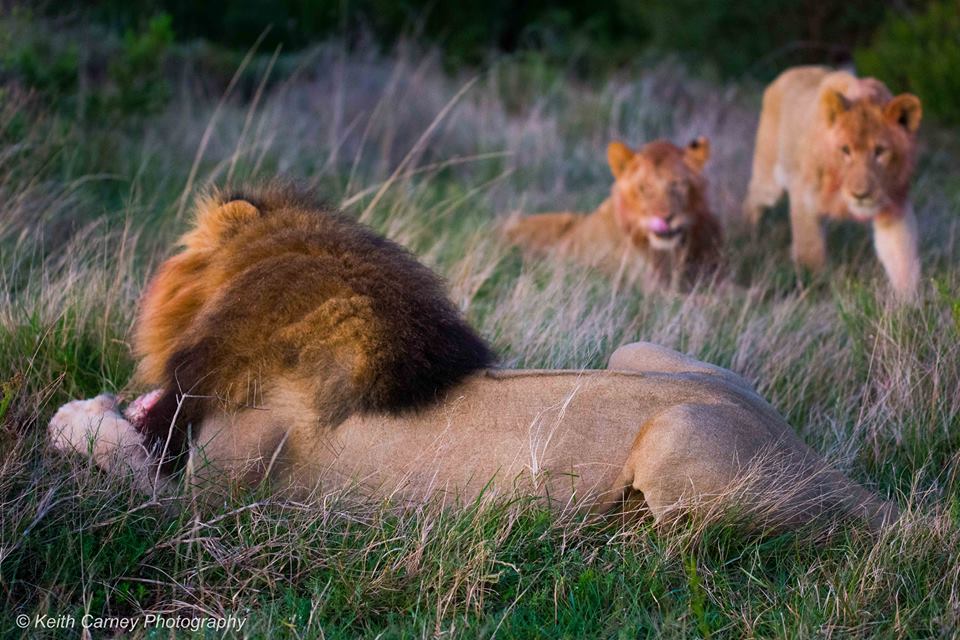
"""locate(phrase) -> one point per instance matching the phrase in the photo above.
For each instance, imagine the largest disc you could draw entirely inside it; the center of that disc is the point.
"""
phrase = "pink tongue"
(659, 225)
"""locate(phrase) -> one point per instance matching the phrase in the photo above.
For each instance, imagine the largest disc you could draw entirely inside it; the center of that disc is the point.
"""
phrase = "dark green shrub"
(42, 63)
(84, 72)
(920, 53)
(757, 37)
(137, 72)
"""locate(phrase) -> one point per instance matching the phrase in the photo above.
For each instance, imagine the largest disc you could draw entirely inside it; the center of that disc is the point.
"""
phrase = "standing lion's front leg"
(808, 240)
(895, 241)
(96, 428)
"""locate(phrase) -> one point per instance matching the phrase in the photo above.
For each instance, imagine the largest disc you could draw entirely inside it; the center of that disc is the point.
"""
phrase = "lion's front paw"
(80, 423)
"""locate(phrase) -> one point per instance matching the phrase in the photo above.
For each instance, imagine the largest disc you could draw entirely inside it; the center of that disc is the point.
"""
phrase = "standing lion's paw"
(80, 424)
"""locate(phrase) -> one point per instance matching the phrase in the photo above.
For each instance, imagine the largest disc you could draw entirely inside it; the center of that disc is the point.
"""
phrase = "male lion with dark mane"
(293, 346)
(656, 218)
(844, 148)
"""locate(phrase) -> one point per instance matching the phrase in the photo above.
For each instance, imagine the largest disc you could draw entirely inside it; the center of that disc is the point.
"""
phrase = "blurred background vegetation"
(910, 44)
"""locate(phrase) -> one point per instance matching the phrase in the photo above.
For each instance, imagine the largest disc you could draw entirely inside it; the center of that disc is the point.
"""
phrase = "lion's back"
(790, 100)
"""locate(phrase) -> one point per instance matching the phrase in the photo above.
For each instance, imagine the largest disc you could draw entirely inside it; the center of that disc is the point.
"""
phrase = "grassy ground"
(432, 161)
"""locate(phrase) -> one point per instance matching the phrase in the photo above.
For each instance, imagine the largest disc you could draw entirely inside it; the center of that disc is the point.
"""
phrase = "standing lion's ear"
(833, 104)
(904, 110)
(697, 153)
(618, 155)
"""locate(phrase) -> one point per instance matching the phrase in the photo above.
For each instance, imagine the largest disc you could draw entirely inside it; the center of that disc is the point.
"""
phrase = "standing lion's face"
(658, 190)
(871, 148)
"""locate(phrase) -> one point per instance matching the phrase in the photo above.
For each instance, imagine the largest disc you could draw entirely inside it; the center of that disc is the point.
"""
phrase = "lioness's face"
(657, 189)
(872, 147)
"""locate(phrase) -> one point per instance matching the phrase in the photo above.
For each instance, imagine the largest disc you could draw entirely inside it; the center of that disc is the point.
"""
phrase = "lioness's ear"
(833, 104)
(618, 155)
(904, 110)
(697, 153)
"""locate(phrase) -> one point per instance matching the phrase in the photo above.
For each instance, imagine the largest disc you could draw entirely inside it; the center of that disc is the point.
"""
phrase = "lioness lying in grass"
(656, 224)
(352, 375)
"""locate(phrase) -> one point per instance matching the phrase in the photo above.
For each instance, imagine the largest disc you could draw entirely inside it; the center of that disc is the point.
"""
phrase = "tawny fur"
(843, 148)
(675, 432)
(656, 219)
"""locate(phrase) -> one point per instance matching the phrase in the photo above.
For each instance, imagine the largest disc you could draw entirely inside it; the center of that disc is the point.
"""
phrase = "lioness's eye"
(845, 149)
(880, 150)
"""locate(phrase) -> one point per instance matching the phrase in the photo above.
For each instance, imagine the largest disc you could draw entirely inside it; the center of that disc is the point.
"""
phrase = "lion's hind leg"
(647, 357)
(96, 428)
(539, 232)
(726, 463)
(674, 460)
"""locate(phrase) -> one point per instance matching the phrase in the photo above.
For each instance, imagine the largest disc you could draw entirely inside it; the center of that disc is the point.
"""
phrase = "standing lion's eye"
(879, 151)
(845, 149)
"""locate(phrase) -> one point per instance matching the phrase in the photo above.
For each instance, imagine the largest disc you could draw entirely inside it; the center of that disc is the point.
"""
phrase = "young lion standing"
(841, 147)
